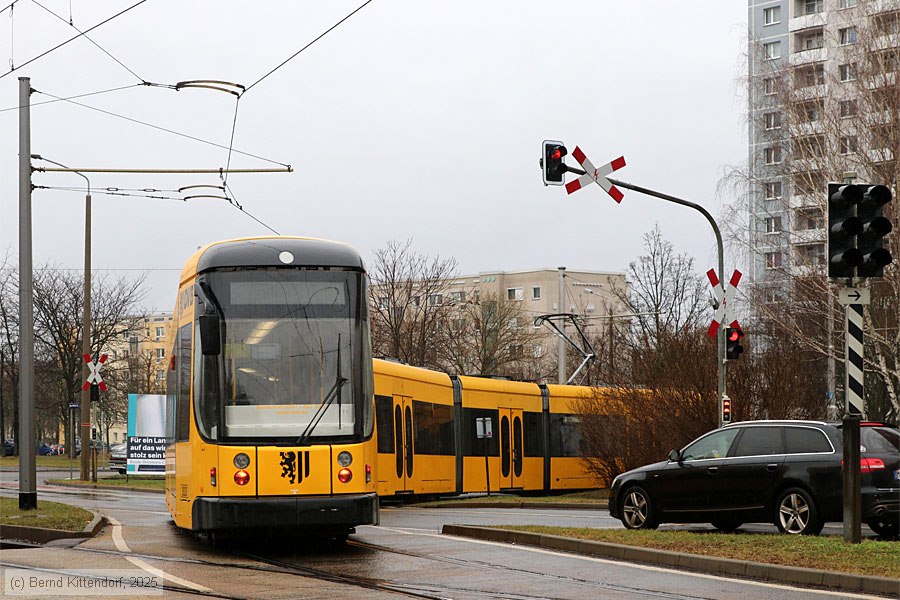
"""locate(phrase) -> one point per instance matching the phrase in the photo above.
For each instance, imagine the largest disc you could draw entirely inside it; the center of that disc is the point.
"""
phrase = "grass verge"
(133, 481)
(50, 515)
(829, 553)
(55, 461)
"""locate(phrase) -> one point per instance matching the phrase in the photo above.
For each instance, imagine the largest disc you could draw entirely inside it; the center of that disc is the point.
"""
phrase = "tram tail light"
(212, 477)
(345, 475)
(368, 473)
(242, 477)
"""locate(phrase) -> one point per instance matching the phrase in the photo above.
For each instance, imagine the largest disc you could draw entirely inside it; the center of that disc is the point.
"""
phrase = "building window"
(847, 72)
(458, 296)
(848, 145)
(514, 294)
(773, 155)
(515, 351)
(811, 40)
(847, 3)
(807, 219)
(514, 323)
(772, 50)
(772, 15)
(812, 255)
(160, 353)
(811, 7)
(773, 260)
(160, 375)
(772, 190)
(160, 332)
(773, 225)
(537, 351)
(769, 86)
(772, 120)
(847, 35)
(809, 112)
(848, 108)
(435, 299)
(809, 75)
(536, 292)
(381, 302)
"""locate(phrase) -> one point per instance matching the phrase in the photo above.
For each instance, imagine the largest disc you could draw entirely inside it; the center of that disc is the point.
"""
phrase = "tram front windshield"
(295, 356)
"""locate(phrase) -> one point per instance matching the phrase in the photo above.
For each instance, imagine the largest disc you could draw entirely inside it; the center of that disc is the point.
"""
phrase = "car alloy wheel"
(637, 510)
(797, 513)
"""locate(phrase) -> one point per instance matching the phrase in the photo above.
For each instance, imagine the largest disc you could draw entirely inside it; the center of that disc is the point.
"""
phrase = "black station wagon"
(782, 472)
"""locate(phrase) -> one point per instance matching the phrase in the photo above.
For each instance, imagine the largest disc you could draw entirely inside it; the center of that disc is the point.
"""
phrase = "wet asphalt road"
(405, 556)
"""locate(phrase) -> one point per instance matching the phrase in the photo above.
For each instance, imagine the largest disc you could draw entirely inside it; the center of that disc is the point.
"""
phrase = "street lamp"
(85, 327)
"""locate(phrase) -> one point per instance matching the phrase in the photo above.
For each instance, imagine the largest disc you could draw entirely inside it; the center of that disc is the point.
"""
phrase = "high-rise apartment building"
(823, 104)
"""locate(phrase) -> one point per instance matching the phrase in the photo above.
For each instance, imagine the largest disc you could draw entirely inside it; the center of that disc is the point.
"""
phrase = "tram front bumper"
(285, 512)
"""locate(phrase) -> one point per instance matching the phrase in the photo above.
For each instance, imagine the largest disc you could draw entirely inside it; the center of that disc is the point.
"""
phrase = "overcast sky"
(413, 119)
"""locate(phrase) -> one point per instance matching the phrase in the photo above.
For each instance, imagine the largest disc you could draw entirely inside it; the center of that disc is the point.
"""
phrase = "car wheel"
(887, 530)
(725, 524)
(797, 513)
(637, 509)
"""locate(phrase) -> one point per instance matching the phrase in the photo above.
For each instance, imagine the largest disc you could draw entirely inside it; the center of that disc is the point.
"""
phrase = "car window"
(714, 445)
(759, 441)
(879, 439)
(804, 440)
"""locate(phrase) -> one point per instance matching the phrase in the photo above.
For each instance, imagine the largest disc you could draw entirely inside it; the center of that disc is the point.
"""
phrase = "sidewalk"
(798, 576)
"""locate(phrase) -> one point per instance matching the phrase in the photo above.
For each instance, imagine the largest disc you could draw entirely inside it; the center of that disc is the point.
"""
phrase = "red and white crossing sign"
(596, 175)
(724, 297)
(94, 376)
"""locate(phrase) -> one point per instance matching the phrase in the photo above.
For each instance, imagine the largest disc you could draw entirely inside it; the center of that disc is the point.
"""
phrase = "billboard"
(146, 434)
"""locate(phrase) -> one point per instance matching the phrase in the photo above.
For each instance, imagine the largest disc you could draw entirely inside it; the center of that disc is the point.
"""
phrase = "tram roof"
(266, 251)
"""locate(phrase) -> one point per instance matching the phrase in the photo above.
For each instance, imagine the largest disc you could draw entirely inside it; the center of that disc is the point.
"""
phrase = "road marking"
(119, 541)
(777, 586)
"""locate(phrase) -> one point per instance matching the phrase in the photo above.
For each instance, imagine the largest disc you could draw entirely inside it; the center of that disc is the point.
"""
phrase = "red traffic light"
(556, 154)
(733, 338)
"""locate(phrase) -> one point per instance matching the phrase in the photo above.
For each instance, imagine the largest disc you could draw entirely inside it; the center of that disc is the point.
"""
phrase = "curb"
(41, 535)
(884, 586)
(100, 486)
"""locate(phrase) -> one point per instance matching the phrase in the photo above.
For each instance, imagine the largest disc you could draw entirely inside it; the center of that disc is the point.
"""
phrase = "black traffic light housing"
(843, 227)
(726, 409)
(552, 162)
(870, 241)
(734, 336)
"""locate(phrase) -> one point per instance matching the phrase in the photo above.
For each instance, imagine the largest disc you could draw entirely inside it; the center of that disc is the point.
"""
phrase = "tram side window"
(433, 428)
(384, 407)
(171, 394)
(183, 398)
(206, 392)
(534, 433)
(565, 435)
(472, 446)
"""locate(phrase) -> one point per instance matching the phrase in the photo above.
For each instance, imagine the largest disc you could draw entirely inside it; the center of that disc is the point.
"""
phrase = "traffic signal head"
(552, 162)
(843, 227)
(870, 241)
(734, 336)
(726, 409)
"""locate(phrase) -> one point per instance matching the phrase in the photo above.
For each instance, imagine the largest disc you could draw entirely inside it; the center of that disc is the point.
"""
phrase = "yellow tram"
(273, 400)
(270, 418)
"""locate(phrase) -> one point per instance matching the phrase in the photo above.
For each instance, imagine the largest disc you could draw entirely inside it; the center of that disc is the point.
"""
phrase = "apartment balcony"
(810, 92)
(873, 7)
(800, 237)
(806, 270)
(799, 201)
(807, 128)
(807, 21)
(879, 155)
(804, 57)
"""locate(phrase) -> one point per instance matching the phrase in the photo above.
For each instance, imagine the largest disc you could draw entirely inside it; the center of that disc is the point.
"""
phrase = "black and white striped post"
(855, 397)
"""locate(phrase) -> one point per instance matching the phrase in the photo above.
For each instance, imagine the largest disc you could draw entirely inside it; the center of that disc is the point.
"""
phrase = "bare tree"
(818, 121)
(409, 301)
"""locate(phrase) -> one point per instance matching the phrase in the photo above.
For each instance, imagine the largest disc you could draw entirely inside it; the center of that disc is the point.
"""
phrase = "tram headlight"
(345, 475)
(345, 459)
(242, 477)
(241, 461)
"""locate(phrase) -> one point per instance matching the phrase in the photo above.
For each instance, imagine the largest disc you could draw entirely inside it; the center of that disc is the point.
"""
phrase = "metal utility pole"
(25, 437)
(561, 342)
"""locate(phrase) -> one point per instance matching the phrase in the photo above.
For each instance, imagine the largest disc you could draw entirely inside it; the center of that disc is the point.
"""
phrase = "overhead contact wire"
(58, 46)
(33, 104)
(241, 208)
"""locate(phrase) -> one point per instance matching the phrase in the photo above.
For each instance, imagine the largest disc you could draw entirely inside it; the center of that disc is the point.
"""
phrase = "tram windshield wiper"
(333, 393)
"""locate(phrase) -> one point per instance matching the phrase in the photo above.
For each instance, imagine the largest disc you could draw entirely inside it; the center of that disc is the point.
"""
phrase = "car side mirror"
(675, 456)
(209, 335)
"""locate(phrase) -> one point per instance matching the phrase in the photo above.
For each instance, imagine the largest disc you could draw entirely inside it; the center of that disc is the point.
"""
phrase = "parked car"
(782, 472)
(9, 447)
(44, 449)
(118, 458)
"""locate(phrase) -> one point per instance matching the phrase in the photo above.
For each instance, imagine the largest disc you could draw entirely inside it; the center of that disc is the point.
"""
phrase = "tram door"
(403, 442)
(511, 449)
